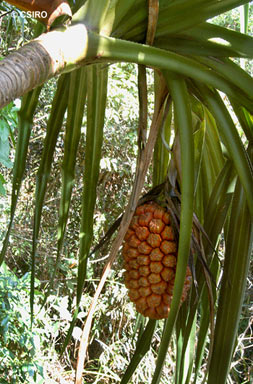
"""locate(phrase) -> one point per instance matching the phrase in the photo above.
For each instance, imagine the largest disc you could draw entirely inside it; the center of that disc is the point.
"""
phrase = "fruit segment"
(150, 260)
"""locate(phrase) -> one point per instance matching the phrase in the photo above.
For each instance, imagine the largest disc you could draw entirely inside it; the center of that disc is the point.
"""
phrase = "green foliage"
(8, 123)
(15, 28)
(231, 19)
(19, 344)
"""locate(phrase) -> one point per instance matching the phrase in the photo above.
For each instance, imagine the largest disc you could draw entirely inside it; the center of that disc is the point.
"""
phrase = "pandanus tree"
(204, 179)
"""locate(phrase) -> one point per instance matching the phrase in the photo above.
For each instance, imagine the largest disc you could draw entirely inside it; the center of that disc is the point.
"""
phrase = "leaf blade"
(29, 103)
(183, 117)
(97, 89)
(239, 244)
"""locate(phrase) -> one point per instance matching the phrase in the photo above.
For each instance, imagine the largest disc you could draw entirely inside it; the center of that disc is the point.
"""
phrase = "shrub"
(20, 345)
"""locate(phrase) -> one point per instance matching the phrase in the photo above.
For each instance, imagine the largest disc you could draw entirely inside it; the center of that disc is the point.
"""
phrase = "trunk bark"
(39, 60)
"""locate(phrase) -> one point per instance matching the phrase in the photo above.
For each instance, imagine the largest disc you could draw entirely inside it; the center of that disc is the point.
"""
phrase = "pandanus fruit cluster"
(150, 260)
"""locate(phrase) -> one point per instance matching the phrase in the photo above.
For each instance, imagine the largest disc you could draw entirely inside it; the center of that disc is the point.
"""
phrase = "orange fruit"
(150, 260)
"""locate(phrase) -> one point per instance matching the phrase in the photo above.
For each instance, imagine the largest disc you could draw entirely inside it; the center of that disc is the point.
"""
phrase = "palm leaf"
(216, 213)
(185, 351)
(54, 125)
(230, 71)
(244, 117)
(96, 102)
(142, 348)
(222, 38)
(238, 251)
(184, 125)
(206, 40)
(232, 141)
(143, 161)
(29, 103)
(174, 17)
(76, 101)
(96, 99)
(204, 322)
(161, 153)
(116, 49)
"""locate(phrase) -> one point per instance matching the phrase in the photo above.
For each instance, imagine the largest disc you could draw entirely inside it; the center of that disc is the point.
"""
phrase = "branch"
(61, 50)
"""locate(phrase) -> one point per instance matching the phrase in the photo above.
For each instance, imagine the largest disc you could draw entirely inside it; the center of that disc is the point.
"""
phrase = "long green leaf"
(205, 142)
(185, 46)
(217, 205)
(208, 160)
(237, 256)
(115, 49)
(92, 13)
(184, 124)
(96, 102)
(244, 117)
(176, 16)
(221, 37)
(199, 144)
(97, 91)
(54, 125)
(185, 346)
(199, 123)
(244, 18)
(212, 158)
(142, 348)
(205, 320)
(193, 13)
(202, 333)
(76, 101)
(96, 11)
(231, 71)
(161, 152)
(232, 141)
(180, 328)
(213, 143)
(215, 216)
(244, 22)
(190, 353)
(207, 40)
(29, 103)
(136, 15)
(117, 10)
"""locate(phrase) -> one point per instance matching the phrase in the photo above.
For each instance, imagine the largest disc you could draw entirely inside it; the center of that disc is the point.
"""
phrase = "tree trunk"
(39, 60)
